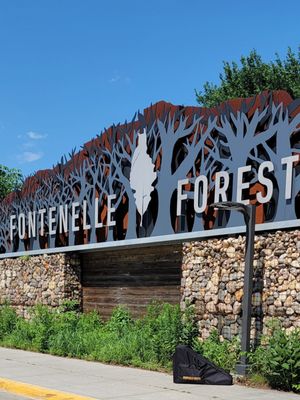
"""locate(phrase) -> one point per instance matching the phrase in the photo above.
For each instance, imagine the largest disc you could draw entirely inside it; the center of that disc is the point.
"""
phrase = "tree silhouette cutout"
(141, 162)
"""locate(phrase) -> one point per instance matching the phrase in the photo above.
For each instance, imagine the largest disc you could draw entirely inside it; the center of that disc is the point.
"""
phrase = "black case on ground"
(191, 367)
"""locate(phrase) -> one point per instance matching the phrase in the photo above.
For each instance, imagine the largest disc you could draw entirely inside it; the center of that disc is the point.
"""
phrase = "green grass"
(147, 342)
(258, 380)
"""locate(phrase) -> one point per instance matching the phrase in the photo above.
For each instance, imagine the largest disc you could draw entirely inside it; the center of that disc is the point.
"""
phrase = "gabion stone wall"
(212, 280)
(45, 279)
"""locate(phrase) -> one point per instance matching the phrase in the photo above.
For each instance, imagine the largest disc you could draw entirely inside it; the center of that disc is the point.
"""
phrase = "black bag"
(191, 367)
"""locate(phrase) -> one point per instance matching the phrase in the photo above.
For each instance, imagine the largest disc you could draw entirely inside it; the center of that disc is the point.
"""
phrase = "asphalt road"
(109, 382)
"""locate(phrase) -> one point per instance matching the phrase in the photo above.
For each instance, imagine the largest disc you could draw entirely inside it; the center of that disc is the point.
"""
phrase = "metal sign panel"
(153, 179)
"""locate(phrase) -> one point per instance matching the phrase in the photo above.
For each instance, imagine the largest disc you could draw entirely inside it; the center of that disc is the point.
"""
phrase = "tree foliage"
(252, 76)
(10, 179)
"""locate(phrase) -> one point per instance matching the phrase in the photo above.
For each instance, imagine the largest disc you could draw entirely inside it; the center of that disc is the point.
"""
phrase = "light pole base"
(242, 369)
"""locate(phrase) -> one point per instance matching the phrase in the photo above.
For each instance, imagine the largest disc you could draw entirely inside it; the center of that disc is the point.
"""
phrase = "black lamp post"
(248, 212)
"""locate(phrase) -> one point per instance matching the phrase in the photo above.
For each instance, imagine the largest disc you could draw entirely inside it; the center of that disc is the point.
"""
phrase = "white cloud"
(115, 78)
(36, 135)
(29, 156)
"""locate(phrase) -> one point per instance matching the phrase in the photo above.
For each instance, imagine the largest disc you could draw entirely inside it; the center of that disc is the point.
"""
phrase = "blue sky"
(69, 68)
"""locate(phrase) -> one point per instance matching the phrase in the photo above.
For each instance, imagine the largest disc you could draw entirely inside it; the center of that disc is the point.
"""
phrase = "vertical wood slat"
(131, 277)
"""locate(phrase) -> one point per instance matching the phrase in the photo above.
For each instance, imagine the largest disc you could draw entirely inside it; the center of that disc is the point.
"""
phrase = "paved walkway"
(9, 396)
(100, 381)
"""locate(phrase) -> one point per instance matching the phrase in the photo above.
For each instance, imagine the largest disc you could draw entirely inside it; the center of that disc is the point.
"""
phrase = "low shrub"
(277, 359)
(120, 320)
(222, 352)
(147, 342)
(8, 320)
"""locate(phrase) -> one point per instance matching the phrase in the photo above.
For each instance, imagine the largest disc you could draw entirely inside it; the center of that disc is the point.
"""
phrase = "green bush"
(64, 338)
(147, 342)
(163, 326)
(41, 325)
(224, 353)
(189, 329)
(278, 358)
(8, 320)
(120, 320)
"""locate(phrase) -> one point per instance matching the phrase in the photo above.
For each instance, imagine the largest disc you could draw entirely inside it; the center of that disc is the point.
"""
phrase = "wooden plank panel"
(122, 297)
(131, 277)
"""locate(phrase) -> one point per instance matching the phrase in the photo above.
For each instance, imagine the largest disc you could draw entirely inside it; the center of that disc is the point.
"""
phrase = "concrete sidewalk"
(108, 382)
(8, 396)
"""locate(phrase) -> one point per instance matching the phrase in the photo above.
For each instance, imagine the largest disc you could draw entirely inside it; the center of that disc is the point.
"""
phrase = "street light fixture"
(249, 213)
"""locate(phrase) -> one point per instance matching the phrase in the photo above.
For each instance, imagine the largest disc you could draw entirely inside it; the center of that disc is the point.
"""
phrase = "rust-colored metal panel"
(155, 177)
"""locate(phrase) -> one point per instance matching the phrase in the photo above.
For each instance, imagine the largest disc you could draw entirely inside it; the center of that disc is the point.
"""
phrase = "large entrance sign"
(153, 179)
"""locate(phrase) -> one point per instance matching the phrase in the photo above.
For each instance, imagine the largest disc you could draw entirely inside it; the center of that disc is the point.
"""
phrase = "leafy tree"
(10, 179)
(252, 76)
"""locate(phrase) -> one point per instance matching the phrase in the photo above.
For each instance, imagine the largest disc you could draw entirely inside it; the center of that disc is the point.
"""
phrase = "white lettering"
(12, 227)
(51, 218)
(110, 210)
(98, 224)
(220, 191)
(42, 215)
(63, 219)
(32, 224)
(86, 226)
(265, 181)
(21, 226)
(86, 215)
(75, 216)
(181, 196)
(288, 161)
(200, 180)
(242, 185)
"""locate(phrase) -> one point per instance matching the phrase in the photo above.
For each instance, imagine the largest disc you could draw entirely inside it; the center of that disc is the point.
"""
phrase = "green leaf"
(10, 179)
(251, 77)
